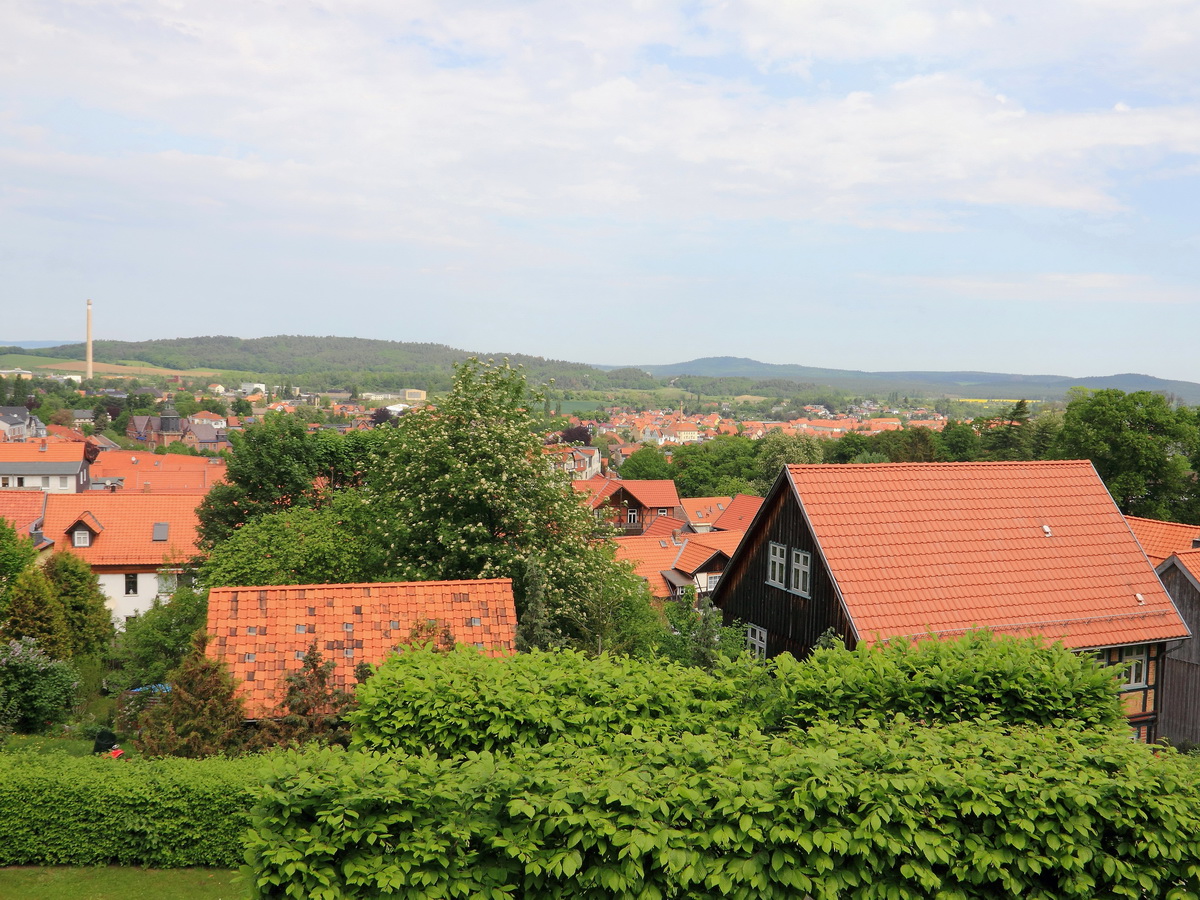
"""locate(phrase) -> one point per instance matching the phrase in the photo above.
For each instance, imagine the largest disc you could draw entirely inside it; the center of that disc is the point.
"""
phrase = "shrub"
(451, 703)
(1013, 680)
(903, 812)
(35, 690)
(62, 810)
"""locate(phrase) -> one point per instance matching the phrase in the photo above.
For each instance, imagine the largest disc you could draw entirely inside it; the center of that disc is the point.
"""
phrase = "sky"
(1007, 186)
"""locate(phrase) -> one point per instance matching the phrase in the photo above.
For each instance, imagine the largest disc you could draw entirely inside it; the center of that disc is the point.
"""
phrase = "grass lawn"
(117, 883)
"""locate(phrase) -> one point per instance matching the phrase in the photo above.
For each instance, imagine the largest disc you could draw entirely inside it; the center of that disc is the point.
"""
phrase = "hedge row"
(61, 810)
(1018, 681)
(461, 701)
(959, 811)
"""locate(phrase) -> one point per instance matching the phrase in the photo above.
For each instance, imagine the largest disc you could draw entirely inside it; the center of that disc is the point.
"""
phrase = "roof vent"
(133, 460)
(1196, 543)
(1140, 599)
(1046, 530)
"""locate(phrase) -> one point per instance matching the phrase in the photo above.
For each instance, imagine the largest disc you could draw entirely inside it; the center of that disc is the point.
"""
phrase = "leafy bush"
(61, 810)
(1013, 680)
(904, 812)
(35, 690)
(451, 703)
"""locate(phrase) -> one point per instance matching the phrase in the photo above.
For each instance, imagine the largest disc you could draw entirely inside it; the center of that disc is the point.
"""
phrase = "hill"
(326, 362)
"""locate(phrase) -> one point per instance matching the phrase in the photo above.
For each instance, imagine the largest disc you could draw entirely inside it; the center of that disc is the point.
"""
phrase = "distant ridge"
(325, 361)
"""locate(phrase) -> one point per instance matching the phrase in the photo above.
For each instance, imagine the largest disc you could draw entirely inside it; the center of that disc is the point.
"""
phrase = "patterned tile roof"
(43, 451)
(1030, 548)
(704, 510)
(739, 513)
(652, 494)
(126, 524)
(1161, 539)
(260, 631)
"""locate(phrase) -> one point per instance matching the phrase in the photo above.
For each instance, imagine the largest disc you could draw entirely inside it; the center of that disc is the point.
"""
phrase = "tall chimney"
(88, 371)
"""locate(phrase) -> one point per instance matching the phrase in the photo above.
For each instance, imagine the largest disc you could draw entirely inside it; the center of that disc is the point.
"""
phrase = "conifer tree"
(35, 611)
(89, 623)
(200, 715)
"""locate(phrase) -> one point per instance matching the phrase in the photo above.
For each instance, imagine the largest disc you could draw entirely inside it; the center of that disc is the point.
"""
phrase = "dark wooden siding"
(1179, 700)
(793, 623)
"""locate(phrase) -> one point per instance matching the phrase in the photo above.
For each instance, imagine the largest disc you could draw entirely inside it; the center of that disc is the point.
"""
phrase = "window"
(631, 516)
(756, 641)
(777, 565)
(713, 578)
(801, 572)
(167, 582)
(663, 512)
(1134, 659)
(62, 482)
(46, 481)
(81, 537)
(130, 583)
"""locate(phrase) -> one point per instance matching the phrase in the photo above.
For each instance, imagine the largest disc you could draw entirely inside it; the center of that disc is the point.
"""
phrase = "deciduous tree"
(35, 611)
(89, 623)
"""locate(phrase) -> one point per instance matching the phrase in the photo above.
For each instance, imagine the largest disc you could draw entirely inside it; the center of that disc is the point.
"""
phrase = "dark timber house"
(908, 550)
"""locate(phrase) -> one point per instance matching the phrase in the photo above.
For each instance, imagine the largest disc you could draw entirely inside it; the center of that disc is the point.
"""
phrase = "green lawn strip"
(117, 883)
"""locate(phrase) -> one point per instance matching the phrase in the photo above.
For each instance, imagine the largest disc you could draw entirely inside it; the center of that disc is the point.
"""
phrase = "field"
(131, 368)
(114, 883)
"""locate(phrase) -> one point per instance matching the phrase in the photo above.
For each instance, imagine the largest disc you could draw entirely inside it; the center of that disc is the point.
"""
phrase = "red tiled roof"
(704, 510)
(1028, 548)
(739, 513)
(22, 508)
(1189, 561)
(661, 526)
(1161, 539)
(161, 472)
(128, 521)
(286, 620)
(37, 451)
(653, 555)
(652, 494)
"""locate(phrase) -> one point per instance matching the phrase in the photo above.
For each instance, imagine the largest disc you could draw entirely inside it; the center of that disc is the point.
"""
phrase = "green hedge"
(452, 703)
(958, 811)
(1017, 681)
(166, 813)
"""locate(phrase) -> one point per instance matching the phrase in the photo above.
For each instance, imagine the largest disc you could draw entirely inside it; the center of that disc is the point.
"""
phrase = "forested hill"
(326, 362)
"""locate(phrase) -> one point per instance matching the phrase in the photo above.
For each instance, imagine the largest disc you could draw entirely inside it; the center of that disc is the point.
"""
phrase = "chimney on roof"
(675, 534)
(42, 448)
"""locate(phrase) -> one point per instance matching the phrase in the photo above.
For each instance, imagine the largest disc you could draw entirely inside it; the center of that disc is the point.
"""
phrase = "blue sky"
(1006, 186)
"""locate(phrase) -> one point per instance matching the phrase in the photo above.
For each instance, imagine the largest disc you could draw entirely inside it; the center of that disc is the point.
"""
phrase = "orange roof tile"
(1027, 548)
(22, 508)
(651, 556)
(703, 510)
(127, 522)
(652, 494)
(739, 513)
(260, 631)
(158, 473)
(1189, 561)
(1161, 539)
(38, 451)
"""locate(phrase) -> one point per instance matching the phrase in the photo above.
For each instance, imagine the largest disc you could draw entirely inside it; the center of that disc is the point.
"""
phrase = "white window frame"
(1136, 660)
(712, 580)
(134, 583)
(801, 574)
(756, 641)
(631, 516)
(81, 537)
(62, 482)
(777, 565)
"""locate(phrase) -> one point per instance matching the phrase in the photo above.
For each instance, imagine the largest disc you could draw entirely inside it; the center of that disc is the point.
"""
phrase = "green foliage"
(156, 641)
(696, 636)
(313, 706)
(464, 491)
(296, 546)
(200, 716)
(36, 690)
(89, 623)
(16, 555)
(1014, 681)
(59, 810)
(1140, 446)
(776, 450)
(34, 611)
(452, 703)
(727, 462)
(903, 812)
(646, 463)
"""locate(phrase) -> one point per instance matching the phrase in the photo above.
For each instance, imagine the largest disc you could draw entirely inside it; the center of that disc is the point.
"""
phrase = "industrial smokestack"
(88, 372)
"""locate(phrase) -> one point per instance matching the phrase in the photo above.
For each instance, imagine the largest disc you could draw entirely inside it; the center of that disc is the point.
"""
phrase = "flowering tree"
(36, 690)
(464, 491)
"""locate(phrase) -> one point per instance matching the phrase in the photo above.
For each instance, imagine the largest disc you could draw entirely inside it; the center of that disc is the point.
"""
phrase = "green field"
(113, 883)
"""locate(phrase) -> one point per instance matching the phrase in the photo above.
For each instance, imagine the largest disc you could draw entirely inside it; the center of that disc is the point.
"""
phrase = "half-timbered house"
(910, 550)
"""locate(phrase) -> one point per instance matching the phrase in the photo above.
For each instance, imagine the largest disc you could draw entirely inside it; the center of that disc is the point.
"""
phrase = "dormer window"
(81, 537)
